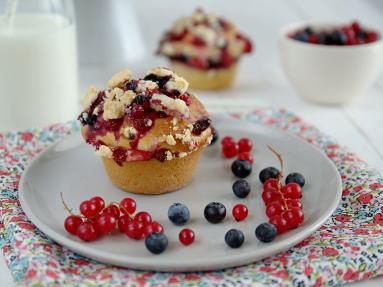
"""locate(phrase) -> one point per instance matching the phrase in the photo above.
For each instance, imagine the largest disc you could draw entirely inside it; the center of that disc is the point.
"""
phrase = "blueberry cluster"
(352, 34)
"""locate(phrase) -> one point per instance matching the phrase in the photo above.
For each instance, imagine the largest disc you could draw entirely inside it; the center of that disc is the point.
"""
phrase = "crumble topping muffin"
(149, 132)
(205, 49)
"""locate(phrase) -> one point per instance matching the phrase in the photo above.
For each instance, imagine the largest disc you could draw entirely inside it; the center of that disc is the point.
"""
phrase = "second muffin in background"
(205, 49)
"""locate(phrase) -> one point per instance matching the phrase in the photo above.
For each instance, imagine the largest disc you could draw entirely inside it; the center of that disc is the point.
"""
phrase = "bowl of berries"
(330, 63)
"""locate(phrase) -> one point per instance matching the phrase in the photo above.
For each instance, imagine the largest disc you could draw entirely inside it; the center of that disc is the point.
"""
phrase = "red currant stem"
(123, 208)
(66, 206)
(280, 176)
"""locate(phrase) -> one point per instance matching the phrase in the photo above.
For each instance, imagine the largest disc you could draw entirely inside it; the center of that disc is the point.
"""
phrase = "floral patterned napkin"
(347, 248)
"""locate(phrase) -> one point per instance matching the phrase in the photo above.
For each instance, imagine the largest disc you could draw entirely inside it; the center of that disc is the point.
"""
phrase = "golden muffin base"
(153, 176)
(215, 79)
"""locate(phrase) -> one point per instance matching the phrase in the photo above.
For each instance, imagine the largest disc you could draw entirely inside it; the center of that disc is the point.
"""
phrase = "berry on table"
(128, 205)
(234, 238)
(87, 231)
(153, 227)
(241, 168)
(268, 172)
(186, 236)
(244, 145)
(246, 156)
(71, 224)
(99, 202)
(143, 217)
(266, 232)
(178, 213)
(241, 188)
(88, 209)
(215, 212)
(105, 223)
(295, 177)
(240, 212)
(156, 243)
(229, 150)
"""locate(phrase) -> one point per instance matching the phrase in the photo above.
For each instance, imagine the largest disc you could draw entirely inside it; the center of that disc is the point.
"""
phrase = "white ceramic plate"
(72, 168)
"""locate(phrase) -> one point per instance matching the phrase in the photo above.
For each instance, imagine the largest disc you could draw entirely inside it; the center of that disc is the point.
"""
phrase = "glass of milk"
(38, 63)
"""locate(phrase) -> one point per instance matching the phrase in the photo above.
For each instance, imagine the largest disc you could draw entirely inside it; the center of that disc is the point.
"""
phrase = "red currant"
(134, 230)
(105, 224)
(294, 217)
(113, 210)
(227, 139)
(186, 236)
(245, 145)
(128, 205)
(269, 196)
(240, 212)
(246, 156)
(229, 150)
(71, 224)
(99, 202)
(293, 203)
(271, 184)
(123, 222)
(153, 227)
(280, 224)
(355, 26)
(292, 190)
(143, 217)
(88, 209)
(87, 231)
(274, 208)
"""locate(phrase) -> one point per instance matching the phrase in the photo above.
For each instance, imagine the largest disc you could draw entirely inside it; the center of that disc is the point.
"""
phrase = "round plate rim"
(190, 266)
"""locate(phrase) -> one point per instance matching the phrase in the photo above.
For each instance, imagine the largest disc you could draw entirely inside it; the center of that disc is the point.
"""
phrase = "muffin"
(149, 132)
(204, 49)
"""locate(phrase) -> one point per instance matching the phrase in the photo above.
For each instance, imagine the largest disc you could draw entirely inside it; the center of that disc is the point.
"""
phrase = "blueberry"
(241, 168)
(156, 243)
(201, 125)
(309, 31)
(266, 232)
(161, 81)
(215, 212)
(234, 238)
(140, 99)
(179, 214)
(132, 85)
(295, 177)
(268, 172)
(241, 188)
(214, 134)
(302, 37)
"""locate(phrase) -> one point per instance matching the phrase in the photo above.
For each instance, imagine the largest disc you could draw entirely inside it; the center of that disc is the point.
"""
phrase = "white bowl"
(329, 74)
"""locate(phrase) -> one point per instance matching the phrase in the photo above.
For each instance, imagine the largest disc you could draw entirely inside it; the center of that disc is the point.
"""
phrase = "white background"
(261, 80)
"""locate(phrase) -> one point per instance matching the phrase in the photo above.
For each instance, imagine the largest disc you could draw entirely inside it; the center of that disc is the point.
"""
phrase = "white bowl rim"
(286, 29)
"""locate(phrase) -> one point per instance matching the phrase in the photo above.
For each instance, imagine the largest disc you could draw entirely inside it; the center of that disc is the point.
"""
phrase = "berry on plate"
(128, 205)
(186, 236)
(153, 227)
(178, 213)
(105, 223)
(229, 149)
(246, 156)
(241, 188)
(156, 243)
(143, 217)
(244, 145)
(215, 212)
(71, 224)
(268, 172)
(234, 238)
(86, 231)
(240, 212)
(266, 232)
(241, 168)
(295, 177)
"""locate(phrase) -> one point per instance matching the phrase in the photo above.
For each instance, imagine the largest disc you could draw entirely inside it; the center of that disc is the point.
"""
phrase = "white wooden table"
(261, 81)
